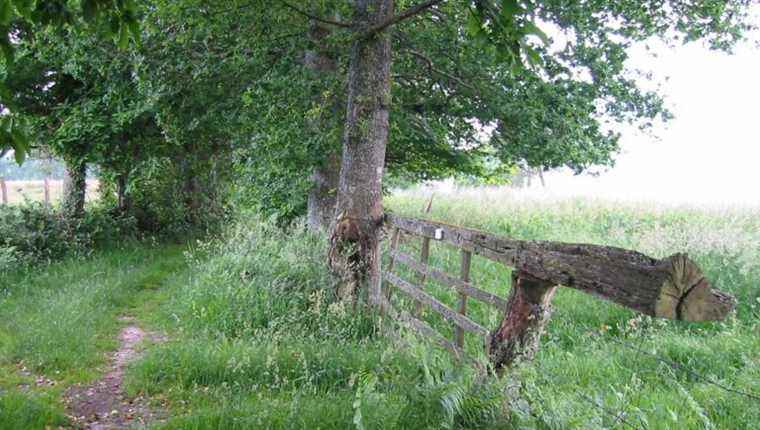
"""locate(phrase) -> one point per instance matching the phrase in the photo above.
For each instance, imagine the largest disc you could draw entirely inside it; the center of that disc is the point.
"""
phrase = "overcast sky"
(710, 152)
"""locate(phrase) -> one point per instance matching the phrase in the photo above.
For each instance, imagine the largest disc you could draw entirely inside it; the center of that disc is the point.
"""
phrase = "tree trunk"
(191, 191)
(4, 191)
(74, 189)
(323, 194)
(46, 191)
(528, 311)
(354, 250)
(672, 287)
(124, 202)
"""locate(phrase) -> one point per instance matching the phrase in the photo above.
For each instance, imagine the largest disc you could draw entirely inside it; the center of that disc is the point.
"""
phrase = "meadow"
(258, 340)
(34, 191)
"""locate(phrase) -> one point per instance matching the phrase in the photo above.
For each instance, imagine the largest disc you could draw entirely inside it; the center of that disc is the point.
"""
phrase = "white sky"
(709, 153)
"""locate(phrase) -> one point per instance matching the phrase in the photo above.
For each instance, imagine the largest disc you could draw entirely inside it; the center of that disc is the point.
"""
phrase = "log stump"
(528, 310)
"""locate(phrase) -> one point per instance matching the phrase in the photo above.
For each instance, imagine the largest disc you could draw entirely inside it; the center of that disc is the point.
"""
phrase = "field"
(256, 339)
(19, 191)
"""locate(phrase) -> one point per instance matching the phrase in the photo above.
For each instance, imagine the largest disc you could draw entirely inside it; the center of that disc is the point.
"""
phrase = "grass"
(59, 320)
(258, 340)
(592, 357)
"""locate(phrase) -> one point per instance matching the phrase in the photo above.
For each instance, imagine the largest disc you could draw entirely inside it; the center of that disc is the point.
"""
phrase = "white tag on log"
(439, 234)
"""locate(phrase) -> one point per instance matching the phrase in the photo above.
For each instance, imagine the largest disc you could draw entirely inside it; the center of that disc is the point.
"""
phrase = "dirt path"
(103, 404)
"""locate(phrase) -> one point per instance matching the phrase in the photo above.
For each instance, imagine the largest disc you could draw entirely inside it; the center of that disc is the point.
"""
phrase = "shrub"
(33, 232)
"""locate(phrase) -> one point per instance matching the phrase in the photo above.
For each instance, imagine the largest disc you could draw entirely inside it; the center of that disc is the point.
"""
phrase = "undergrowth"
(258, 339)
(262, 342)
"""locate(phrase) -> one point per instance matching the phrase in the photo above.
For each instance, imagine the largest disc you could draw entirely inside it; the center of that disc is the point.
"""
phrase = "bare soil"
(103, 404)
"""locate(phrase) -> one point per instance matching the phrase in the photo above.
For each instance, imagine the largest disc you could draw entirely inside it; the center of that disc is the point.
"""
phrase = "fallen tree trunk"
(673, 287)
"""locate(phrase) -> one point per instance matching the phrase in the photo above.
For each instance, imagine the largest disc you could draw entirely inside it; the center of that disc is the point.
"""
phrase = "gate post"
(528, 310)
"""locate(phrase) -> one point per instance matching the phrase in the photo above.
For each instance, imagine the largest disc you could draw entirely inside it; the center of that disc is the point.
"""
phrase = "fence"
(673, 287)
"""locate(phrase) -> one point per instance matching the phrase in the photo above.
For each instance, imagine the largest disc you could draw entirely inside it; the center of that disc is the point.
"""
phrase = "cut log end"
(686, 294)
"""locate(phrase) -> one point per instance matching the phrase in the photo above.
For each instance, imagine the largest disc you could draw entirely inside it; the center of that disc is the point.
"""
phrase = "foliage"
(33, 232)
(200, 91)
(107, 17)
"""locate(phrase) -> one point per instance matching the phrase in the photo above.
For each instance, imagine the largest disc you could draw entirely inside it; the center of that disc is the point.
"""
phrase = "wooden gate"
(672, 288)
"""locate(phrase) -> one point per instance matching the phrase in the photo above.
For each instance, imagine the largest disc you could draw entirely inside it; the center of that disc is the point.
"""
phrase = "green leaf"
(5, 45)
(473, 24)
(24, 7)
(6, 12)
(114, 25)
(89, 10)
(123, 37)
(531, 28)
(532, 55)
(510, 9)
(19, 154)
(134, 29)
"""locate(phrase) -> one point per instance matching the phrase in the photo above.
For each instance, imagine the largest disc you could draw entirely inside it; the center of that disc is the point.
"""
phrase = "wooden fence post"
(4, 191)
(394, 244)
(528, 310)
(464, 275)
(422, 277)
(46, 189)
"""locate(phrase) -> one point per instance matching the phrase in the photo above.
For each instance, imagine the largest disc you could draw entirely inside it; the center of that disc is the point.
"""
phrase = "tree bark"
(673, 287)
(74, 189)
(528, 311)
(191, 191)
(124, 202)
(323, 194)
(354, 249)
(4, 191)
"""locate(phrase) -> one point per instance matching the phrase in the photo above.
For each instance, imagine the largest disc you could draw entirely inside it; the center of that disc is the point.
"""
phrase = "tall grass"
(262, 342)
(258, 339)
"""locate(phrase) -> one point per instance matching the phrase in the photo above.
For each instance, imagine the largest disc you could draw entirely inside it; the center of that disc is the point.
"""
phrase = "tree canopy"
(278, 100)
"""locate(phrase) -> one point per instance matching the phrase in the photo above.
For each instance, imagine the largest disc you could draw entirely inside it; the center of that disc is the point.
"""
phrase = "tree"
(115, 18)
(601, 33)
(67, 83)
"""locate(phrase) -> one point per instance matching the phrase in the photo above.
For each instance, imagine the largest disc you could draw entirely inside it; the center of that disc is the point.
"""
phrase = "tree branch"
(317, 18)
(408, 13)
(431, 67)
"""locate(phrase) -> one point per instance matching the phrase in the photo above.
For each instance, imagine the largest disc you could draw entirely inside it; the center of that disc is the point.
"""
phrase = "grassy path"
(60, 326)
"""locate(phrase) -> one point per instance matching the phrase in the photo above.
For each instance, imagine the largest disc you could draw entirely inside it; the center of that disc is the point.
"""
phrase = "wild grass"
(261, 342)
(258, 339)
